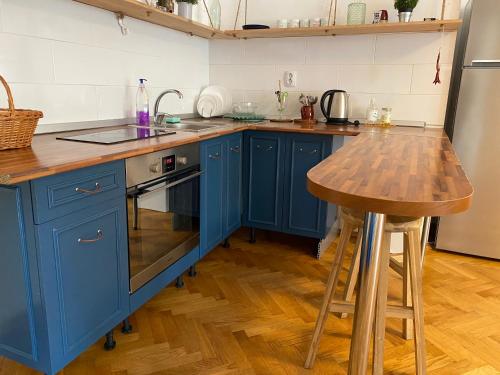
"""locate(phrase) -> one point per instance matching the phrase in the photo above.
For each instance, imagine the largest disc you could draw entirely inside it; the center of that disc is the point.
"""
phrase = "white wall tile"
(77, 64)
(376, 78)
(227, 52)
(428, 108)
(418, 48)
(25, 59)
(115, 102)
(59, 103)
(274, 51)
(246, 77)
(358, 49)
(423, 78)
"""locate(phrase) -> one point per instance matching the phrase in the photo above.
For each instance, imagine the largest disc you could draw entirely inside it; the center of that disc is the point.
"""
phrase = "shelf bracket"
(120, 17)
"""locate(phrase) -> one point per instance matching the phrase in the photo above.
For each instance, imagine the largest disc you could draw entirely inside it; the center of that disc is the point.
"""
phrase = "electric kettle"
(335, 106)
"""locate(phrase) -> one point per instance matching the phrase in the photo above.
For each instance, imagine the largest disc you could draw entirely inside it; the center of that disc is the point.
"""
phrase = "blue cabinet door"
(263, 180)
(84, 263)
(303, 213)
(233, 184)
(212, 195)
(23, 334)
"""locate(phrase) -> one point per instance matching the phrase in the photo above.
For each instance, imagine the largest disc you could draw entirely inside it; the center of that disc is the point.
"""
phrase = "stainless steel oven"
(163, 195)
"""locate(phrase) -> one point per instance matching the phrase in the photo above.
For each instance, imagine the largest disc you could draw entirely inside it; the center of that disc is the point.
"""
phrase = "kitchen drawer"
(64, 193)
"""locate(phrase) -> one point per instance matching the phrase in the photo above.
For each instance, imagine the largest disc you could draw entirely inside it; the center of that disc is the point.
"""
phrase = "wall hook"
(120, 18)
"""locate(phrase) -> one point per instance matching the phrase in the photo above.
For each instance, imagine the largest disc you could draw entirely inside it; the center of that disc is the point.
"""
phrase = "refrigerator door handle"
(485, 63)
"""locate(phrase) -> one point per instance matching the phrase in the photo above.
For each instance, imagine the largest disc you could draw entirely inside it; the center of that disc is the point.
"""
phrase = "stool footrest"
(400, 312)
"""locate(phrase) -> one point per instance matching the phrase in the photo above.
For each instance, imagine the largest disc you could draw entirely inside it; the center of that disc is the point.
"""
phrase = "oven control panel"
(144, 168)
(168, 163)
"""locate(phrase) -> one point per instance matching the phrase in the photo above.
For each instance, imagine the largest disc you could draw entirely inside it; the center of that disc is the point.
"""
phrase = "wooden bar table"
(393, 173)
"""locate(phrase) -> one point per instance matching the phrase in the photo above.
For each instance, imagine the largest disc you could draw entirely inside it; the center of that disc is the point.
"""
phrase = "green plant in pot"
(405, 9)
(185, 8)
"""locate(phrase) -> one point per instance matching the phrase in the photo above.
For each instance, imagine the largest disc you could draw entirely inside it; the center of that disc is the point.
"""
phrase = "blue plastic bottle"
(142, 104)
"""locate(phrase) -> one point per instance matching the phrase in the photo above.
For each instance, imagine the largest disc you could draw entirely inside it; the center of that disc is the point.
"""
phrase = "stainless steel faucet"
(158, 100)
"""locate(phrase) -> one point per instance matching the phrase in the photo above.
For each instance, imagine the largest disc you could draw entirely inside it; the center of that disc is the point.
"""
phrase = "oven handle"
(175, 183)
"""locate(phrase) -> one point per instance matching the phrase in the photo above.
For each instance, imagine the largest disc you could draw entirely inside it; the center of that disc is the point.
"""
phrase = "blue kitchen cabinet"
(275, 183)
(220, 187)
(233, 181)
(63, 266)
(304, 214)
(212, 195)
(85, 279)
(263, 179)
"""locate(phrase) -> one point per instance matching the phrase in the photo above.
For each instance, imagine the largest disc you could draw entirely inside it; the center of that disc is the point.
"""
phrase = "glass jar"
(386, 116)
(356, 13)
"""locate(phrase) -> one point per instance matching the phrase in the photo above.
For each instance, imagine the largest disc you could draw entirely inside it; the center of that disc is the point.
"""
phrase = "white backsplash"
(71, 61)
(396, 70)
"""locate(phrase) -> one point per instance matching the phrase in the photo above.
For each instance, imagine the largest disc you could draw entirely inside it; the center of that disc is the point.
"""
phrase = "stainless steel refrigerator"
(473, 124)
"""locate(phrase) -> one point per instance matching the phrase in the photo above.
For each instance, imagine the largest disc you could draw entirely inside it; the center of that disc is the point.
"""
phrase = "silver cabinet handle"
(269, 148)
(100, 236)
(300, 149)
(215, 157)
(97, 189)
(235, 149)
(315, 151)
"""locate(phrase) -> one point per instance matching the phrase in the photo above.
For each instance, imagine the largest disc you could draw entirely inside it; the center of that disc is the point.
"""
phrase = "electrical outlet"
(290, 79)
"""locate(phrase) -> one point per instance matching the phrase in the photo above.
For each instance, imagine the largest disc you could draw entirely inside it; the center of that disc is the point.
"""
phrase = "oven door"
(163, 224)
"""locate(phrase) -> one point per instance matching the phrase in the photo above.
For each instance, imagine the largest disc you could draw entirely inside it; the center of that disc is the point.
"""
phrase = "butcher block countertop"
(48, 155)
(396, 174)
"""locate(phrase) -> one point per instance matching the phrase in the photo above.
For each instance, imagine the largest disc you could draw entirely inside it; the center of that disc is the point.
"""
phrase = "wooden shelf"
(135, 9)
(397, 27)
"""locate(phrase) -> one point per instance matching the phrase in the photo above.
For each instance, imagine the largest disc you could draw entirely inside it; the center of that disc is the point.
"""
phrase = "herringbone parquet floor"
(252, 309)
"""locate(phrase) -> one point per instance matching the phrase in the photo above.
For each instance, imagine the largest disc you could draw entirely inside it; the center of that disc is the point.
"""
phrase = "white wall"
(71, 61)
(397, 70)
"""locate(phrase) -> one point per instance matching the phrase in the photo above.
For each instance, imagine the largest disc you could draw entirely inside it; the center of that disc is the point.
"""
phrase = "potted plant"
(405, 8)
(185, 8)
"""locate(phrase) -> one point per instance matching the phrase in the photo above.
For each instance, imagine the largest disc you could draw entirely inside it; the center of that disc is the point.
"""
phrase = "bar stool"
(412, 309)
(355, 220)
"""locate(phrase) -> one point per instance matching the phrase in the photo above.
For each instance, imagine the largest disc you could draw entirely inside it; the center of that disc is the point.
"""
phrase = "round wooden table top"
(394, 174)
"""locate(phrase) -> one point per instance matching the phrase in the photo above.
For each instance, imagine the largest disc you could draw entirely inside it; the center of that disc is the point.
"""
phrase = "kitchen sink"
(189, 127)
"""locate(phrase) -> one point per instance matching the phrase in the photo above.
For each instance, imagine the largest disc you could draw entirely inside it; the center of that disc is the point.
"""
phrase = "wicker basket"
(17, 126)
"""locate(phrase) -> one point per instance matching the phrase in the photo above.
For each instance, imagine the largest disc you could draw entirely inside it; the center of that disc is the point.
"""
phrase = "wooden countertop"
(48, 155)
(394, 173)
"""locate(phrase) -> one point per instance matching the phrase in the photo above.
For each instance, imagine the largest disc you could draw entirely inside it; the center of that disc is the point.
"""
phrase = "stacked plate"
(214, 101)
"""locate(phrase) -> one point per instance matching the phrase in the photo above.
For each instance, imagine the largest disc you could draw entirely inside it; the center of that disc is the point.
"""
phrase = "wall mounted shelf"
(397, 27)
(135, 9)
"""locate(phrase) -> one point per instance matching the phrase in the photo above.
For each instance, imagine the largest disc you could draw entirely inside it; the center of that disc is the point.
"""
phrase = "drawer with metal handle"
(62, 194)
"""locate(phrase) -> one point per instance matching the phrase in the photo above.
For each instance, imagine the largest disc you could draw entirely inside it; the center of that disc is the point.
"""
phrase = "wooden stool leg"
(352, 277)
(418, 305)
(331, 284)
(407, 298)
(379, 334)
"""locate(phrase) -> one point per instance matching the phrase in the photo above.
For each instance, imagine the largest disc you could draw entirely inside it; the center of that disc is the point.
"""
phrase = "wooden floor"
(252, 309)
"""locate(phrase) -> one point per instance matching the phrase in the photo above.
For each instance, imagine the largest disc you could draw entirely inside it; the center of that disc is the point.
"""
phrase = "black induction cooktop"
(127, 134)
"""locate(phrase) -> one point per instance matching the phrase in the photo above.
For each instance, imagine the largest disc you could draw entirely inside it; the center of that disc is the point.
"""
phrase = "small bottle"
(142, 104)
(386, 116)
(372, 114)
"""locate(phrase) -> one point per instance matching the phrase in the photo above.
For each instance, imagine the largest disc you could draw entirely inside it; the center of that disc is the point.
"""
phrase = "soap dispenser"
(142, 104)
